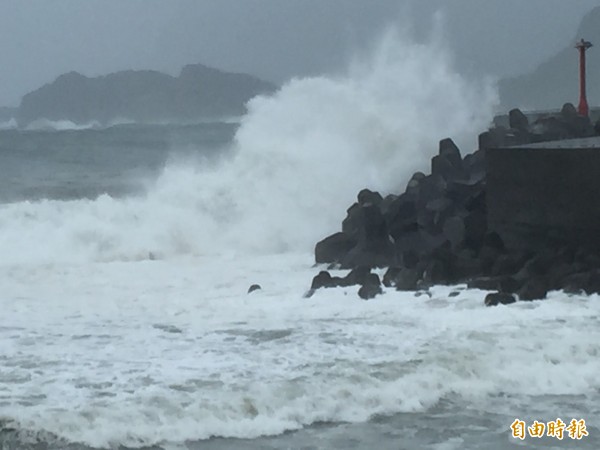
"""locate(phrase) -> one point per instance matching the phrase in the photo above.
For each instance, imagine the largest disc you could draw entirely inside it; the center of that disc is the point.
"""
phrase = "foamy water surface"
(152, 352)
(125, 318)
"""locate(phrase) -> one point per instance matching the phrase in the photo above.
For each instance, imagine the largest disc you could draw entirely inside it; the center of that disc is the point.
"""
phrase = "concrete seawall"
(545, 194)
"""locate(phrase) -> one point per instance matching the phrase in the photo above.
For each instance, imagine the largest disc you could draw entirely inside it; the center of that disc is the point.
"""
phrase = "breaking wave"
(300, 157)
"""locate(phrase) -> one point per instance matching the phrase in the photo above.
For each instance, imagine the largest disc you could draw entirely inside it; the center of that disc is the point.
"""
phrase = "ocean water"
(127, 252)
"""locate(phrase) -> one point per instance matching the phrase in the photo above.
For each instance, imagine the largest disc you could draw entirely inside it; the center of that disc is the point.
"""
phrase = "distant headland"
(145, 96)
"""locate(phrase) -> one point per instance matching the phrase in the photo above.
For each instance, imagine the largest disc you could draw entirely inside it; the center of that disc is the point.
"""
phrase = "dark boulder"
(476, 201)
(466, 265)
(493, 138)
(401, 216)
(357, 276)
(508, 264)
(533, 289)
(441, 267)
(454, 231)
(568, 111)
(387, 203)
(374, 248)
(576, 283)
(448, 162)
(538, 265)
(351, 224)
(371, 287)
(254, 287)
(474, 164)
(407, 279)
(418, 245)
(390, 276)
(487, 257)
(368, 197)
(431, 188)
(475, 229)
(410, 259)
(518, 120)
(449, 150)
(437, 232)
(334, 248)
(582, 282)
(370, 254)
(443, 167)
(436, 272)
(414, 183)
(325, 280)
(498, 298)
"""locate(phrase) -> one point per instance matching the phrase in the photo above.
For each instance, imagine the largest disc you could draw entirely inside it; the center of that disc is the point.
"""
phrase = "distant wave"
(60, 125)
(68, 125)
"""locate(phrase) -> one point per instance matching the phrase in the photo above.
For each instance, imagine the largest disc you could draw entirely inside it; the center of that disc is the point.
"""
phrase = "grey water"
(118, 161)
(75, 164)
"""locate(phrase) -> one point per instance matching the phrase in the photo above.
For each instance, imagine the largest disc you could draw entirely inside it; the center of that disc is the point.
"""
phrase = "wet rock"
(533, 289)
(587, 282)
(474, 164)
(407, 280)
(508, 263)
(431, 188)
(476, 202)
(493, 138)
(414, 184)
(351, 224)
(254, 287)
(466, 265)
(401, 216)
(449, 150)
(386, 204)
(436, 232)
(389, 278)
(454, 231)
(443, 167)
(410, 259)
(498, 298)
(518, 120)
(435, 273)
(325, 280)
(334, 248)
(371, 287)
(368, 197)
(357, 276)
(568, 111)
(448, 162)
(374, 248)
(475, 229)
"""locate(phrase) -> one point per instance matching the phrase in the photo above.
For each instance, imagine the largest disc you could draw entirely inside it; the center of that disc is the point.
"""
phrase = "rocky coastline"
(437, 233)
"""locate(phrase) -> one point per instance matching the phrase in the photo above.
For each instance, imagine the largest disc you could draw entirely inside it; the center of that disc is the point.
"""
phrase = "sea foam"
(167, 352)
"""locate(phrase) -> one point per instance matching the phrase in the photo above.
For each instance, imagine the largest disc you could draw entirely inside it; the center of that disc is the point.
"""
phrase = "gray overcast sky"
(274, 39)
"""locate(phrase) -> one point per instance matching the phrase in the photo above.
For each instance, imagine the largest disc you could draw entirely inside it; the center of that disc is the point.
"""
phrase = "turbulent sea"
(127, 252)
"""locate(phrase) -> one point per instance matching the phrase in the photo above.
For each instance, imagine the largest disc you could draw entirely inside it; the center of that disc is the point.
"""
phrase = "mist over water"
(299, 159)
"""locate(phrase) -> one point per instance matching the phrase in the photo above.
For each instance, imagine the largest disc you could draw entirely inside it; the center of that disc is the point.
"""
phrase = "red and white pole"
(583, 108)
